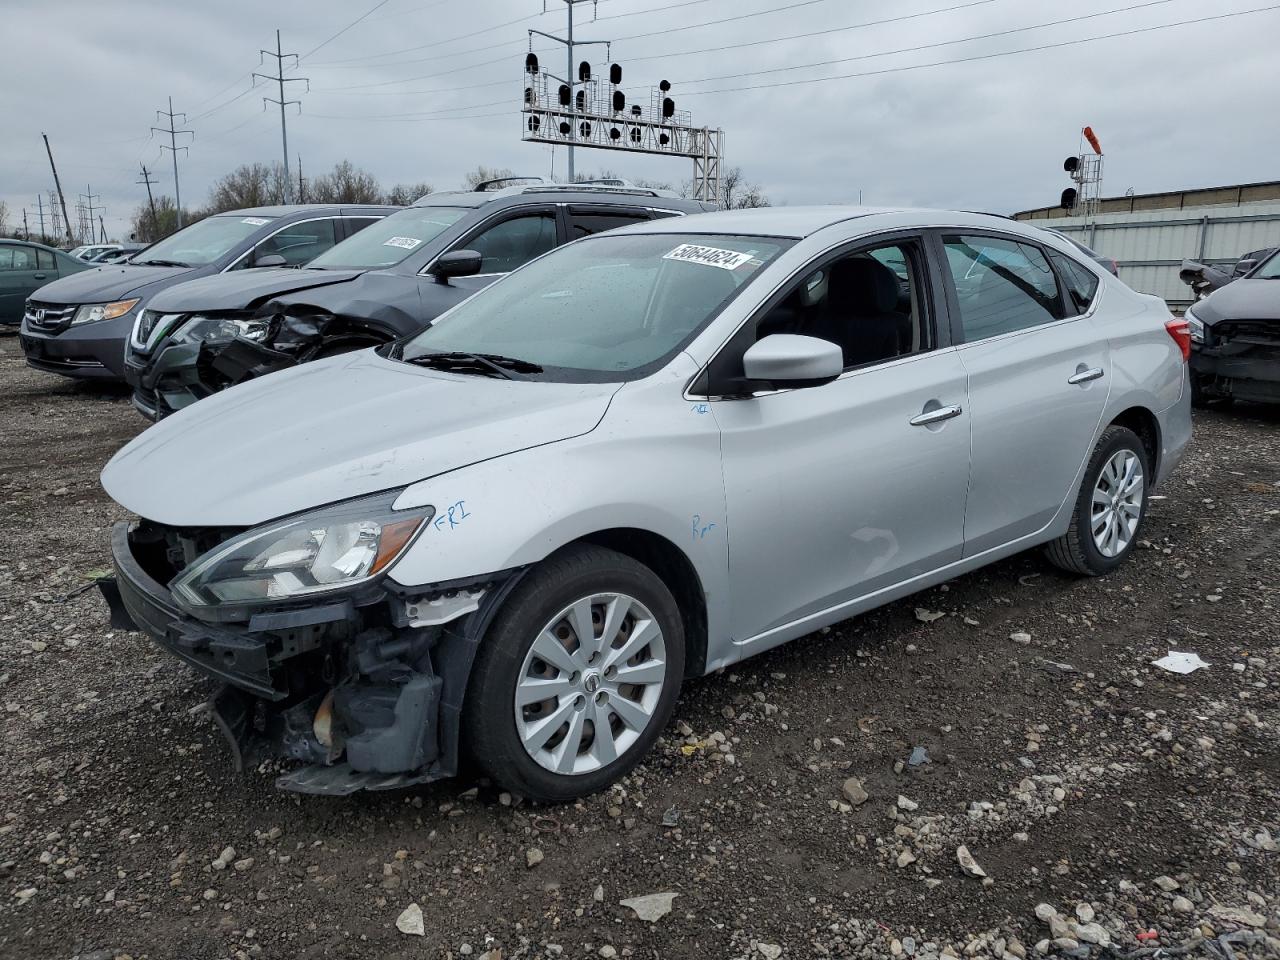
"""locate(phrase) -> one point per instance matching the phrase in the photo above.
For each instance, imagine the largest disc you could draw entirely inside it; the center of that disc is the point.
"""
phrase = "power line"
(988, 56)
(373, 9)
(933, 46)
(473, 116)
(421, 115)
(432, 44)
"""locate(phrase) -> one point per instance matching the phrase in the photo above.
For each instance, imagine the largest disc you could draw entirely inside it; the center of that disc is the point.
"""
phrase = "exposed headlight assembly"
(329, 549)
(93, 312)
(219, 329)
(1195, 325)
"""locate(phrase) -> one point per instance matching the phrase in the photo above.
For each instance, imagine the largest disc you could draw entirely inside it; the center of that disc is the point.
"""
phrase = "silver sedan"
(642, 457)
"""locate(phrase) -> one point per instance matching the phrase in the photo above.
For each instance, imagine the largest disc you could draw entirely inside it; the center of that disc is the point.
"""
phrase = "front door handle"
(936, 415)
(1084, 376)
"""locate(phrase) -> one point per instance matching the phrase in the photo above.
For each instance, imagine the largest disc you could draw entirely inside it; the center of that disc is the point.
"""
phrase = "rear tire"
(1110, 507)
(537, 693)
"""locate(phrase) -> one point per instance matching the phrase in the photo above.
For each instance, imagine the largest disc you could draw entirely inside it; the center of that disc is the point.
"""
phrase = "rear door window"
(583, 221)
(1080, 283)
(45, 259)
(299, 243)
(1001, 285)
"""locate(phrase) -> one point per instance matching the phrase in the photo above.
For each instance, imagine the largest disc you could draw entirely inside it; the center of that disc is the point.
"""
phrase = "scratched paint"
(452, 516)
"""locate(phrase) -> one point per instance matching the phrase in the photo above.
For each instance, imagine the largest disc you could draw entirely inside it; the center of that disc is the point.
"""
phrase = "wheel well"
(1144, 423)
(675, 570)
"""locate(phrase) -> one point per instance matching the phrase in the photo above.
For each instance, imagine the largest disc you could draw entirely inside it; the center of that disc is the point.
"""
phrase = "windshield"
(1270, 269)
(612, 307)
(203, 242)
(390, 240)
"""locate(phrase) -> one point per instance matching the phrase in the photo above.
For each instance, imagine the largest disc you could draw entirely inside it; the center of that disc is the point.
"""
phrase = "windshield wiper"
(492, 364)
(162, 263)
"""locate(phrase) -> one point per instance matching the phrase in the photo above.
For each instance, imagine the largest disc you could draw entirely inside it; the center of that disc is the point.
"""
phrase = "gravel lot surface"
(1103, 798)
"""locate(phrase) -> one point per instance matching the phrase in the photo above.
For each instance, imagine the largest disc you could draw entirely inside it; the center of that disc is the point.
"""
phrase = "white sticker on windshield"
(407, 242)
(255, 221)
(708, 256)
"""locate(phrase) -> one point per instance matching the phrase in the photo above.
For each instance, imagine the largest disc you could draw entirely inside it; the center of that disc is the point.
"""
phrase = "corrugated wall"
(1151, 244)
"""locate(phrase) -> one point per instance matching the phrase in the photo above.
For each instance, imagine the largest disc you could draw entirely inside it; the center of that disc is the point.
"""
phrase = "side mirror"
(791, 360)
(456, 263)
(270, 260)
(1243, 267)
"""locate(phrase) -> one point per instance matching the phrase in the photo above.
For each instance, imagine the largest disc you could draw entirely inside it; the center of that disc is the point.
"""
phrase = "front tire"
(1110, 507)
(577, 677)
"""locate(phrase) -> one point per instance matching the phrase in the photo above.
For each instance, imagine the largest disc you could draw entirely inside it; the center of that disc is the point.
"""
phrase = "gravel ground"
(1103, 798)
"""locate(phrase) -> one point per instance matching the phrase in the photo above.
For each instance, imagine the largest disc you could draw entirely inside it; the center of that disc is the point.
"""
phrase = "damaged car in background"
(1205, 278)
(642, 457)
(387, 282)
(1235, 338)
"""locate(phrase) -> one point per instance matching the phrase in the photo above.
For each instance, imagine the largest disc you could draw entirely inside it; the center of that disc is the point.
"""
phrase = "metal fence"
(1151, 245)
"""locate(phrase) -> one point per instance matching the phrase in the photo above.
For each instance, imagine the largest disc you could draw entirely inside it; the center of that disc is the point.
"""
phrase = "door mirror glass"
(457, 263)
(793, 360)
(270, 260)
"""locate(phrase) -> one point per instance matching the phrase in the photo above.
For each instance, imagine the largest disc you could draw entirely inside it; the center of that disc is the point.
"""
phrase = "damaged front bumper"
(1240, 360)
(365, 690)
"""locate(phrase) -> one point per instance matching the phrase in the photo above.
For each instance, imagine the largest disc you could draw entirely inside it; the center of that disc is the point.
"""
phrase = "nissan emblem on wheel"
(643, 456)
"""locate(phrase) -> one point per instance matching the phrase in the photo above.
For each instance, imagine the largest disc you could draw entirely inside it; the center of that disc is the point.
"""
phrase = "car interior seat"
(861, 315)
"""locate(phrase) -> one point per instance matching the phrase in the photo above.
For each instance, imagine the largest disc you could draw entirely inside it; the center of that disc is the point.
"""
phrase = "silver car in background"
(644, 456)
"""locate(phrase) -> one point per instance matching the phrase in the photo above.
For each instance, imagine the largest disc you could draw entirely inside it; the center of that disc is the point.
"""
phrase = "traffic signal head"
(1069, 198)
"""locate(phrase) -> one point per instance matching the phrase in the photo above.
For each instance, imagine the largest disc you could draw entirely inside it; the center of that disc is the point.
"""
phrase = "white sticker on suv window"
(255, 221)
(407, 242)
(709, 256)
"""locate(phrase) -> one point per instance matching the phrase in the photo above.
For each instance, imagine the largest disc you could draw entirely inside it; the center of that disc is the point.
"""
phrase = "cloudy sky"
(944, 106)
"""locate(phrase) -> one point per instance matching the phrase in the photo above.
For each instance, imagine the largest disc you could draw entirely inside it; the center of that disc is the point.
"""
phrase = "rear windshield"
(204, 242)
(390, 240)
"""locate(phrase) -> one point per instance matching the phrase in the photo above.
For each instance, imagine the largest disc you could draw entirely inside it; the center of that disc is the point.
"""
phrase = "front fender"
(653, 464)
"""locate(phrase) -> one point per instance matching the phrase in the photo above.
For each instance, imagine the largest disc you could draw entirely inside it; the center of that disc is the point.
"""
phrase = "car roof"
(285, 209)
(15, 241)
(564, 193)
(800, 222)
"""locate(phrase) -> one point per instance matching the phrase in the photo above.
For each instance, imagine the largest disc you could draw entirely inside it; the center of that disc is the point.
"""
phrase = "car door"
(1037, 383)
(838, 491)
(509, 241)
(20, 276)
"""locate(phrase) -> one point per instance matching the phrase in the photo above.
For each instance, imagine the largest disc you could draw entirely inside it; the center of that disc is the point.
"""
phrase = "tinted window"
(298, 243)
(389, 240)
(356, 224)
(17, 258)
(515, 242)
(604, 308)
(46, 261)
(1001, 285)
(1081, 283)
(582, 224)
(869, 304)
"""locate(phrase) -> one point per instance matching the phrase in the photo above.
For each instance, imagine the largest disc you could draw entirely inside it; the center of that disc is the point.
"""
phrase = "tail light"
(1180, 330)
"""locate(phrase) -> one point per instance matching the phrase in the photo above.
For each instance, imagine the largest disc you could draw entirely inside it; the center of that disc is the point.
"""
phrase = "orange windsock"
(1093, 140)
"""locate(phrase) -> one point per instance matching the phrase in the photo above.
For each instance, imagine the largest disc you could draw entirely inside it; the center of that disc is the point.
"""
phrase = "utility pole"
(302, 188)
(281, 80)
(62, 201)
(102, 236)
(569, 44)
(40, 206)
(173, 148)
(155, 222)
(87, 199)
(26, 227)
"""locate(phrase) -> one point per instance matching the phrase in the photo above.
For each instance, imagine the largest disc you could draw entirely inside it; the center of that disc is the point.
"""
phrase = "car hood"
(326, 431)
(243, 289)
(1241, 300)
(114, 282)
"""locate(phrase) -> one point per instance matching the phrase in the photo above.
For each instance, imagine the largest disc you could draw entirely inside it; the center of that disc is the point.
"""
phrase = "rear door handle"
(936, 416)
(37, 276)
(1084, 376)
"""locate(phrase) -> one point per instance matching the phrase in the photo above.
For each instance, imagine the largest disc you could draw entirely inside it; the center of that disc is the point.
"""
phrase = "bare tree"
(403, 194)
(347, 183)
(4, 217)
(482, 173)
(735, 192)
(248, 185)
(146, 229)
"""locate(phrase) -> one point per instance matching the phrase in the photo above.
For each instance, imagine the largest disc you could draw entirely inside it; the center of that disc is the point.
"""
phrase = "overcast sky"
(1172, 107)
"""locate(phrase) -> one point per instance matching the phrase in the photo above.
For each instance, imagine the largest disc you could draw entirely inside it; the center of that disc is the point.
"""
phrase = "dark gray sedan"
(25, 267)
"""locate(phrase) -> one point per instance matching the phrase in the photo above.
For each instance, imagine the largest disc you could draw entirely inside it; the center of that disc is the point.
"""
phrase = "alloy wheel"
(1117, 503)
(590, 683)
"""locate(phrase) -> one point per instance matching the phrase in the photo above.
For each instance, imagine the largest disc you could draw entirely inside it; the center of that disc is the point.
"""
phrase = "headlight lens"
(93, 312)
(1196, 326)
(219, 329)
(329, 549)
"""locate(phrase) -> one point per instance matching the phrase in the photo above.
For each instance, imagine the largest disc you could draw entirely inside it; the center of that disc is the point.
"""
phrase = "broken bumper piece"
(366, 691)
(1242, 362)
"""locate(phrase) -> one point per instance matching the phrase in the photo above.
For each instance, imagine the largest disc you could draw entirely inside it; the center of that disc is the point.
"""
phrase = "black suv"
(78, 326)
(388, 282)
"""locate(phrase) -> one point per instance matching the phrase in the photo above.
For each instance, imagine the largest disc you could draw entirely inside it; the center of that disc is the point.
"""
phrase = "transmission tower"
(281, 80)
(174, 148)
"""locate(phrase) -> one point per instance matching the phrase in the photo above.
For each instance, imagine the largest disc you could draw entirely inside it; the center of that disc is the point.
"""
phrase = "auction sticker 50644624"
(709, 256)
